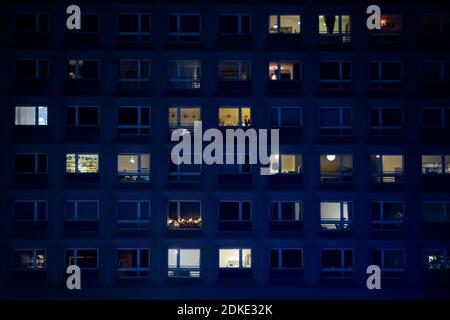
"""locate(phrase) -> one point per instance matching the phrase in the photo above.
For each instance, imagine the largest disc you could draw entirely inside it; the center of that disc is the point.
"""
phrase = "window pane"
(229, 258)
(25, 116)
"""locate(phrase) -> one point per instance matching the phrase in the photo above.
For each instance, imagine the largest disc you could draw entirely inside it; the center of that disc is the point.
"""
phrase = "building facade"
(361, 178)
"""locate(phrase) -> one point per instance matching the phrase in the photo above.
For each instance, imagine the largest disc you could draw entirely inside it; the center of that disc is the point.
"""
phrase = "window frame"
(76, 156)
(37, 109)
(75, 210)
(342, 224)
(179, 35)
(240, 117)
(77, 117)
(75, 256)
(280, 164)
(279, 206)
(445, 159)
(180, 217)
(36, 163)
(241, 265)
(239, 63)
(140, 79)
(138, 269)
(78, 75)
(35, 254)
(339, 81)
(379, 176)
(240, 32)
(379, 82)
(382, 221)
(138, 221)
(278, 25)
(139, 127)
(443, 111)
(35, 210)
(280, 258)
(277, 72)
(445, 214)
(139, 34)
(37, 17)
(280, 113)
(342, 129)
(139, 176)
(37, 68)
(240, 211)
(178, 270)
(342, 270)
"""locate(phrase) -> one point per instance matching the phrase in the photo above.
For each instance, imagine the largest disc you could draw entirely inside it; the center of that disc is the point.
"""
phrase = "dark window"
(32, 69)
(30, 210)
(234, 210)
(234, 24)
(32, 22)
(30, 163)
(82, 116)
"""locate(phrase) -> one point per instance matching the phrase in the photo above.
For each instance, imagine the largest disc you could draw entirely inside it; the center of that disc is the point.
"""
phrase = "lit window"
(32, 22)
(284, 70)
(335, 28)
(184, 27)
(335, 74)
(133, 167)
(387, 215)
(30, 116)
(386, 121)
(235, 258)
(387, 168)
(134, 73)
(30, 163)
(82, 69)
(285, 211)
(437, 260)
(184, 215)
(184, 74)
(133, 120)
(235, 211)
(183, 263)
(77, 210)
(134, 27)
(285, 117)
(336, 167)
(234, 24)
(385, 74)
(235, 117)
(133, 263)
(286, 258)
(83, 258)
(32, 69)
(30, 211)
(434, 212)
(230, 70)
(335, 121)
(390, 261)
(133, 215)
(82, 163)
(337, 263)
(436, 164)
(183, 117)
(336, 215)
(82, 116)
(29, 259)
(284, 24)
(286, 164)
(391, 24)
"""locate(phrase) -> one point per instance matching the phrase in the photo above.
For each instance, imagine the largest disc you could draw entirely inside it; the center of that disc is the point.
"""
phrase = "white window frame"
(339, 32)
(35, 210)
(75, 256)
(340, 224)
(240, 211)
(279, 204)
(280, 259)
(138, 221)
(340, 173)
(179, 271)
(75, 210)
(36, 116)
(36, 162)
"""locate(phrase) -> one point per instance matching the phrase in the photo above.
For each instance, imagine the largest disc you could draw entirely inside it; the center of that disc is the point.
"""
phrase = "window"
(184, 27)
(285, 70)
(32, 69)
(82, 210)
(391, 24)
(436, 71)
(83, 258)
(436, 164)
(241, 165)
(285, 211)
(32, 22)
(82, 69)
(184, 74)
(336, 215)
(335, 74)
(77, 163)
(335, 120)
(235, 258)
(134, 73)
(184, 215)
(387, 215)
(437, 260)
(235, 211)
(237, 70)
(337, 263)
(286, 258)
(386, 121)
(133, 167)
(134, 120)
(385, 74)
(281, 117)
(286, 164)
(387, 168)
(30, 116)
(234, 24)
(90, 23)
(184, 117)
(235, 116)
(284, 24)
(183, 263)
(30, 163)
(436, 212)
(82, 116)
(133, 263)
(184, 172)
(390, 261)
(133, 215)
(30, 211)
(336, 167)
(29, 259)
(435, 23)
(335, 28)
(134, 27)
(436, 118)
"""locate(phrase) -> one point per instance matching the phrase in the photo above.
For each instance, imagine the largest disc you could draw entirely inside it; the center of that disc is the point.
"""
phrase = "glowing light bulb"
(331, 157)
